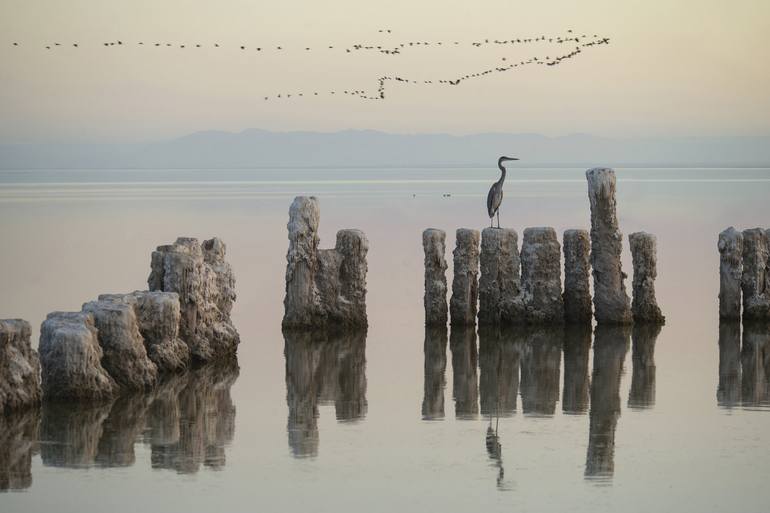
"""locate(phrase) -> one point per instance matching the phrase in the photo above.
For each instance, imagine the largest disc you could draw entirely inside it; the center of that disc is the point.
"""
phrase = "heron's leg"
(498, 218)
(492, 221)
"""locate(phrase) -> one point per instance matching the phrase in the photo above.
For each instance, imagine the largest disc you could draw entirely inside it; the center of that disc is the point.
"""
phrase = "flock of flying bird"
(579, 41)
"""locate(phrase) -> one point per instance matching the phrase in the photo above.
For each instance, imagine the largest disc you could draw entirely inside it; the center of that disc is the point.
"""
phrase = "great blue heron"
(495, 196)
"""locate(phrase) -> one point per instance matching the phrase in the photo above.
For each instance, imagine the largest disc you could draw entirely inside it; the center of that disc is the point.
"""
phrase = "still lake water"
(398, 417)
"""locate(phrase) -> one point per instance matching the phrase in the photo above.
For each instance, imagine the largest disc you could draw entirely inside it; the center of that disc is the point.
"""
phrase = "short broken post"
(730, 272)
(644, 254)
(434, 247)
(611, 302)
(465, 286)
(500, 276)
(577, 268)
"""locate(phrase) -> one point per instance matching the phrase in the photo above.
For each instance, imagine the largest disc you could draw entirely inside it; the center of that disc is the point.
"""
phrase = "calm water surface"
(398, 417)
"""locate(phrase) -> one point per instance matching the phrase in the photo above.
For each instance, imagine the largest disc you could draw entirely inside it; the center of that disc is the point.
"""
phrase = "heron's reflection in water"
(187, 421)
(527, 361)
(322, 367)
(499, 357)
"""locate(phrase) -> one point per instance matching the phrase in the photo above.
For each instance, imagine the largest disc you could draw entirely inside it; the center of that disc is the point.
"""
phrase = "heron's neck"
(502, 176)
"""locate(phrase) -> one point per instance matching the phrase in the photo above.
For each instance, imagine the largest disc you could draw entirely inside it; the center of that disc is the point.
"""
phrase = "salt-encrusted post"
(611, 303)
(756, 296)
(500, 280)
(302, 261)
(70, 358)
(353, 246)
(434, 247)
(730, 271)
(19, 367)
(324, 287)
(465, 286)
(205, 283)
(577, 267)
(541, 276)
(644, 253)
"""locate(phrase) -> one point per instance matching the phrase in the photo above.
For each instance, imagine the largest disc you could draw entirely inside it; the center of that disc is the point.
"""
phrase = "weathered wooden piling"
(645, 307)
(204, 280)
(500, 277)
(577, 268)
(756, 275)
(541, 276)
(124, 356)
(435, 299)
(730, 272)
(70, 357)
(465, 285)
(324, 287)
(19, 367)
(611, 302)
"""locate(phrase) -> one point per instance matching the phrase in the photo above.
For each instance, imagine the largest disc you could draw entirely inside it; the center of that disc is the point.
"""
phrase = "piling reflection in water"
(19, 435)
(465, 384)
(577, 345)
(755, 364)
(540, 368)
(610, 348)
(187, 422)
(643, 339)
(499, 354)
(322, 367)
(203, 410)
(434, 349)
(729, 388)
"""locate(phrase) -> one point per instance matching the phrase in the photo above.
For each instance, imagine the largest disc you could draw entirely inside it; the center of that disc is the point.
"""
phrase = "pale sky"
(673, 68)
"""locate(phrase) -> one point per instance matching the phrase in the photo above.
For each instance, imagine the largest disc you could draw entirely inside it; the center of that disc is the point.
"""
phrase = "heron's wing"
(491, 207)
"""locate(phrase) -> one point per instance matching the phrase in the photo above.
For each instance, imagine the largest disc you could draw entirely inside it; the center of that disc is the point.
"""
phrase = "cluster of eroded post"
(122, 343)
(744, 274)
(325, 288)
(498, 284)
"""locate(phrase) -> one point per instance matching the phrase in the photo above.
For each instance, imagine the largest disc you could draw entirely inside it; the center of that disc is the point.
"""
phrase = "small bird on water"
(495, 196)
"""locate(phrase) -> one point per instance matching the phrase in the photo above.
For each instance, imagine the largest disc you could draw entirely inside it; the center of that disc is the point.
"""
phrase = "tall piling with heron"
(500, 280)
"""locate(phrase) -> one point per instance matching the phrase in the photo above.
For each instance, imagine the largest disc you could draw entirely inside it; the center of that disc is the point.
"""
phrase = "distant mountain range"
(367, 148)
